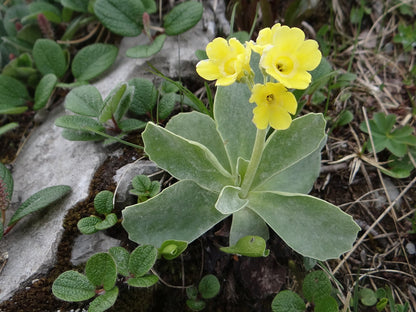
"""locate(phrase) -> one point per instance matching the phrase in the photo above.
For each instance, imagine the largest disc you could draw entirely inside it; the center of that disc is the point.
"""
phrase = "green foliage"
(13, 96)
(406, 36)
(44, 90)
(49, 57)
(144, 188)
(381, 298)
(147, 50)
(100, 277)
(103, 204)
(8, 127)
(171, 249)
(249, 246)
(208, 288)
(210, 162)
(182, 17)
(316, 289)
(97, 117)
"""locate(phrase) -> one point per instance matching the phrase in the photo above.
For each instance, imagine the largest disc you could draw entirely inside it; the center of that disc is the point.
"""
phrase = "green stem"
(254, 162)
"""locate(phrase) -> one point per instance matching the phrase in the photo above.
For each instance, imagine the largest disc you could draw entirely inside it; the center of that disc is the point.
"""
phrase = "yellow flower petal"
(208, 70)
(279, 118)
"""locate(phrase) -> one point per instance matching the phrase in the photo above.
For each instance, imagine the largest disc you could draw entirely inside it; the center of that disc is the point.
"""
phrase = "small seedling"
(103, 204)
(144, 188)
(38, 201)
(316, 289)
(172, 249)
(101, 273)
(208, 288)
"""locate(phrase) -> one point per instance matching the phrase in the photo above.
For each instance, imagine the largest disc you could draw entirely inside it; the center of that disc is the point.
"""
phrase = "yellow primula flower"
(274, 103)
(289, 57)
(264, 39)
(228, 62)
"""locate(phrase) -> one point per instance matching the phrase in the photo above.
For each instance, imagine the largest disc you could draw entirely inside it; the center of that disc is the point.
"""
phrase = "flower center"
(270, 98)
(284, 65)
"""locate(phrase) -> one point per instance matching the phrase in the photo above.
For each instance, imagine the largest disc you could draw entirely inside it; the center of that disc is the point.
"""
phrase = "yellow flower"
(227, 62)
(274, 103)
(264, 39)
(289, 57)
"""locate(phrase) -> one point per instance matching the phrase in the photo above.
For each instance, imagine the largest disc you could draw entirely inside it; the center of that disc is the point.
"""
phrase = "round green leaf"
(49, 57)
(101, 270)
(104, 301)
(182, 17)
(40, 200)
(192, 292)
(368, 297)
(103, 202)
(87, 225)
(84, 100)
(316, 285)
(143, 281)
(142, 260)
(108, 222)
(141, 183)
(147, 50)
(12, 92)
(73, 286)
(122, 17)
(51, 12)
(93, 60)
(121, 257)
(326, 304)
(288, 301)
(44, 90)
(209, 286)
(195, 305)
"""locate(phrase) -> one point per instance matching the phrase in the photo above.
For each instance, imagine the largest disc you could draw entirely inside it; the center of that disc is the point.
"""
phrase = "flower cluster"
(285, 59)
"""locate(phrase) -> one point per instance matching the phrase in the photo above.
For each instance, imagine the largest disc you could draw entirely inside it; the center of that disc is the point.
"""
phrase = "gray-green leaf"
(73, 286)
(49, 57)
(12, 92)
(143, 281)
(40, 200)
(182, 17)
(121, 257)
(85, 100)
(144, 97)
(103, 202)
(101, 270)
(209, 286)
(147, 50)
(93, 60)
(44, 90)
(108, 222)
(104, 301)
(229, 201)
(288, 301)
(142, 260)
(87, 225)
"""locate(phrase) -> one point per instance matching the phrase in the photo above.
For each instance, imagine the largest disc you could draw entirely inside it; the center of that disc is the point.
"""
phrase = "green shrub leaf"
(12, 93)
(209, 286)
(142, 260)
(75, 122)
(93, 60)
(40, 200)
(171, 249)
(6, 184)
(112, 101)
(122, 17)
(326, 304)
(87, 225)
(127, 125)
(144, 97)
(195, 305)
(143, 281)
(75, 135)
(316, 286)
(166, 105)
(101, 270)
(49, 57)
(104, 301)
(182, 17)
(44, 90)
(147, 50)
(76, 5)
(121, 257)
(73, 286)
(141, 183)
(103, 202)
(108, 222)
(288, 301)
(85, 100)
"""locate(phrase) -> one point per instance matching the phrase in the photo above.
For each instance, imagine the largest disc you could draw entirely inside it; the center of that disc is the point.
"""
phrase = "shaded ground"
(383, 83)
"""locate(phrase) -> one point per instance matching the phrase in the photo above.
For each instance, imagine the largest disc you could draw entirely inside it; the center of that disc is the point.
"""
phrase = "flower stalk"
(254, 162)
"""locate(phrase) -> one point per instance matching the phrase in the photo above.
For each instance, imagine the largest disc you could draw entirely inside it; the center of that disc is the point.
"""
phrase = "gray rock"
(87, 245)
(46, 159)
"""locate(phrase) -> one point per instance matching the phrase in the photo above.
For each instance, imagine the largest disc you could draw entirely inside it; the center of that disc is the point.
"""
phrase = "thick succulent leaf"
(183, 211)
(233, 114)
(312, 227)
(200, 128)
(85, 100)
(40, 200)
(184, 159)
(104, 301)
(249, 246)
(285, 149)
(73, 286)
(229, 201)
(245, 223)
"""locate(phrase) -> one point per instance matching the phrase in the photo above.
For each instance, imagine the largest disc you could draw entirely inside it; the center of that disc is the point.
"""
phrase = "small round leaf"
(103, 202)
(105, 301)
(12, 92)
(326, 304)
(49, 57)
(87, 225)
(143, 281)
(195, 305)
(73, 286)
(368, 297)
(108, 222)
(182, 17)
(44, 90)
(316, 285)
(142, 260)
(101, 270)
(121, 257)
(209, 286)
(84, 100)
(288, 301)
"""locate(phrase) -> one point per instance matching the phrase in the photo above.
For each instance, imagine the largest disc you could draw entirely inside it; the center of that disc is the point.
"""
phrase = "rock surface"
(48, 159)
